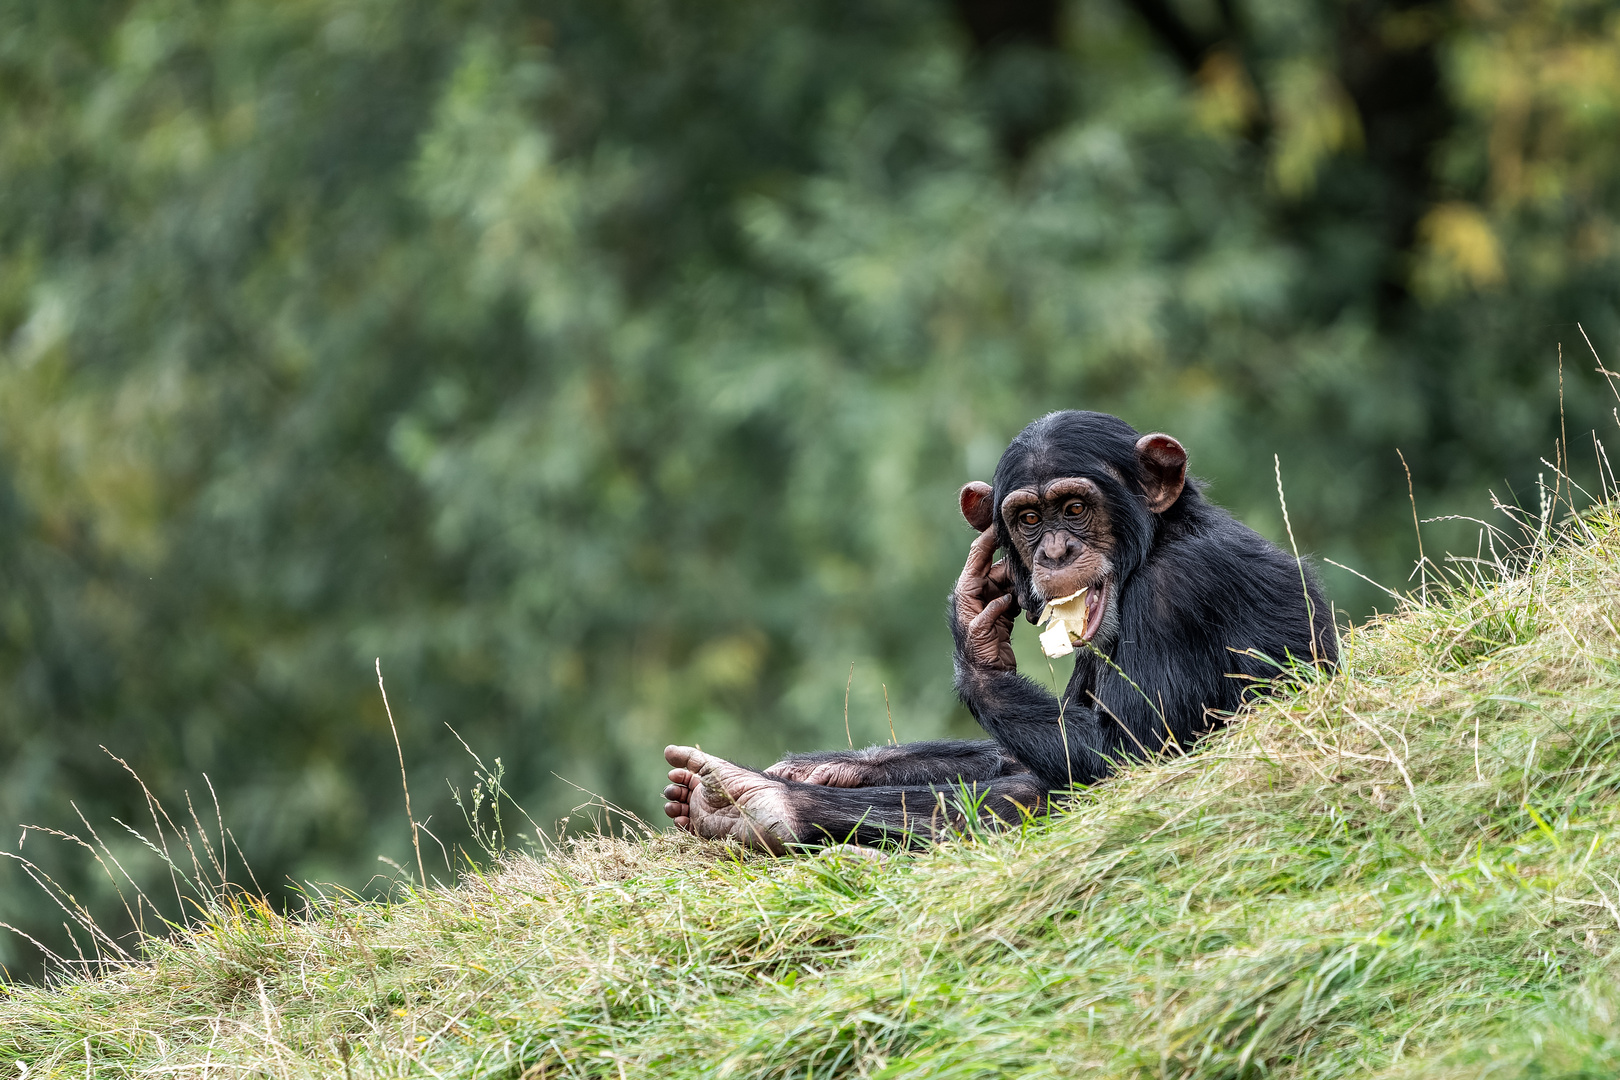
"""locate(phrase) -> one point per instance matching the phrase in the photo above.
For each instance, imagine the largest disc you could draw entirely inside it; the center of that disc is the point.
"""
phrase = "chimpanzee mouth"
(1073, 618)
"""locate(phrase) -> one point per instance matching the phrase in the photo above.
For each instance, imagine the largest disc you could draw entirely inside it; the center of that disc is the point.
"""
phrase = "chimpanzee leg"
(910, 816)
(934, 762)
(715, 798)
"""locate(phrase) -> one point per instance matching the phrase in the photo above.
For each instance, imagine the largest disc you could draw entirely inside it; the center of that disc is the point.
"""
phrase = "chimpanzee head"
(1074, 506)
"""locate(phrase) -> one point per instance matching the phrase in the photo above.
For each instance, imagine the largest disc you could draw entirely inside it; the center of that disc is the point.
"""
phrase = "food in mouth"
(1070, 619)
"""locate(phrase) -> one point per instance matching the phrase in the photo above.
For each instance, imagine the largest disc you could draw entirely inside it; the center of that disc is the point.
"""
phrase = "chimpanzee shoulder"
(1210, 580)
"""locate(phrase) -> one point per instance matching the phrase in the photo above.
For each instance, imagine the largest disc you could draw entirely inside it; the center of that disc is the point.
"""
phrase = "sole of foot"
(717, 800)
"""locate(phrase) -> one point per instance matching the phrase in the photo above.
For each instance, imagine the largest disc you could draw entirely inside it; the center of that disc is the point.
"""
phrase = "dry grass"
(1409, 868)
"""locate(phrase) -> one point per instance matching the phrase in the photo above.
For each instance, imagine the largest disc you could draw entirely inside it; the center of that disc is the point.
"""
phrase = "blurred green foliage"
(608, 367)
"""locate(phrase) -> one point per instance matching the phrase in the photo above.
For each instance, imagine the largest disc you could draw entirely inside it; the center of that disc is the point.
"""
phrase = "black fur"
(913, 814)
(938, 761)
(1207, 611)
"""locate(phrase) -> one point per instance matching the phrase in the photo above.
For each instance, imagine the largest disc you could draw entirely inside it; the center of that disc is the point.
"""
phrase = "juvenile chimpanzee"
(1186, 612)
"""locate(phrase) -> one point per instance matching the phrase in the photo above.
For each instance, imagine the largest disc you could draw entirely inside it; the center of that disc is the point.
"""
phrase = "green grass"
(1409, 869)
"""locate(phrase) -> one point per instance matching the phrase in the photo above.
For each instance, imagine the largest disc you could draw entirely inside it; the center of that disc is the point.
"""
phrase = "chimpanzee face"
(1078, 494)
(1062, 531)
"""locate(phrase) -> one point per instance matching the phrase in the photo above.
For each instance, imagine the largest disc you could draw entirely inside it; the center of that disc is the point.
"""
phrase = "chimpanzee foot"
(712, 798)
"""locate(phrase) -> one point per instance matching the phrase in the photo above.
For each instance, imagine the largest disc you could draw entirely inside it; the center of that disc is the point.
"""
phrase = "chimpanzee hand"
(984, 607)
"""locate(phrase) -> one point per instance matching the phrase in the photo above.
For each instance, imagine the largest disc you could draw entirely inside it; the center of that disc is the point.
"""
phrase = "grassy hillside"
(1409, 869)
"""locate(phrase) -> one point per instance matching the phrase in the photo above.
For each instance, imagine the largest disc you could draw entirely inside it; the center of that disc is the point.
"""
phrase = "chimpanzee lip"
(1096, 607)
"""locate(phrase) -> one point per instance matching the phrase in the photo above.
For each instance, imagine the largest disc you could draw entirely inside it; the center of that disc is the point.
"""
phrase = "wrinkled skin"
(984, 604)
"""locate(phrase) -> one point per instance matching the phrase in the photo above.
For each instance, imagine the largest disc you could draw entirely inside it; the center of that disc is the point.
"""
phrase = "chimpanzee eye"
(1073, 508)
(1030, 517)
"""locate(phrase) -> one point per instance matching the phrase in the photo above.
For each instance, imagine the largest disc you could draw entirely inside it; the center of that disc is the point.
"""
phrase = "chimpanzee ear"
(975, 499)
(1164, 470)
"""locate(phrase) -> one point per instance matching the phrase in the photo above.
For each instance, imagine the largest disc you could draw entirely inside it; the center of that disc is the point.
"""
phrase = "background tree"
(609, 367)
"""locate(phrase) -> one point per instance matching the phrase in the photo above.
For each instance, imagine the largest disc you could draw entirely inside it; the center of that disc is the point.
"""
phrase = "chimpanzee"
(1186, 612)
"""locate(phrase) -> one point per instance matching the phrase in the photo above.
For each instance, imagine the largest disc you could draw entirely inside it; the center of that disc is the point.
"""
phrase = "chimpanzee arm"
(939, 761)
(1063, 743)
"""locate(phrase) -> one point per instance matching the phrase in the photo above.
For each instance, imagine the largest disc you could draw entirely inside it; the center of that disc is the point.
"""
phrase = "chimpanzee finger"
(995, 610)
(982, 631)
(997, 580)
(980, 553)
(1009, 614)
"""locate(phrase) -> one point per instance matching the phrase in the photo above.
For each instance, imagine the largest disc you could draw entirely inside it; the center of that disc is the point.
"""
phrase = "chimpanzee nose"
(1057, 547)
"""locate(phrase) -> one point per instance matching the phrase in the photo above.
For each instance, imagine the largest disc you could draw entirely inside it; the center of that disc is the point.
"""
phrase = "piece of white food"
(1065, 620)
